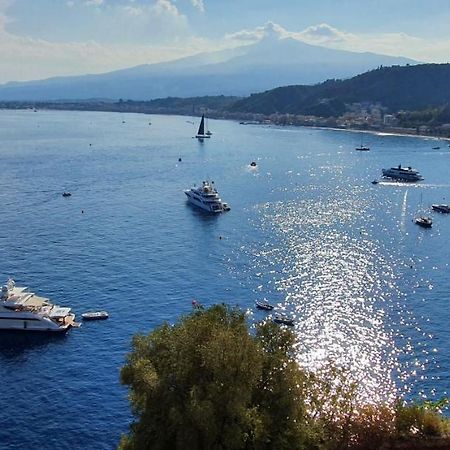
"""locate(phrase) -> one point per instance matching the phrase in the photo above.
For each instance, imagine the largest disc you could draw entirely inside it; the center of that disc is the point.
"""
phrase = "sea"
(307, 230)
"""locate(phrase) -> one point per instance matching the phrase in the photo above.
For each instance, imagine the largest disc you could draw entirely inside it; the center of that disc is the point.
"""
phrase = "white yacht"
(402, 173)
(207, 198)
(21, 310)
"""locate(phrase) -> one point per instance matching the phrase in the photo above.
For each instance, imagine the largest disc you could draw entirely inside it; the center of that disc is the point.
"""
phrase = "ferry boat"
(21, 310)
(402, 173)
(207, 198)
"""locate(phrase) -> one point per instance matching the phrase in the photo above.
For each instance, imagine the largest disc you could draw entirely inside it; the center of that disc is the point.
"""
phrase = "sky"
(45, 38)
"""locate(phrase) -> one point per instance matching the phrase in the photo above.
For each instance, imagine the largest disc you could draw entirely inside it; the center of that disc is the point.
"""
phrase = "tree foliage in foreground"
(207, 383)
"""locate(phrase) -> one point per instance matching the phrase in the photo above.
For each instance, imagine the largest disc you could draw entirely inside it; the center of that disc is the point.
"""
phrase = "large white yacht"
(21, 310)
(207, 198)
(402, 173)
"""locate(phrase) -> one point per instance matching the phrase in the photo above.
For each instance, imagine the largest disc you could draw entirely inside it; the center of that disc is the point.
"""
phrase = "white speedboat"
(207, 198)
(21, 310)
(402, 173)
(95, 315)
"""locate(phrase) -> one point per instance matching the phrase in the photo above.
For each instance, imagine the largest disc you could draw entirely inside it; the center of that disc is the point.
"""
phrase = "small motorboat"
(436, 148)
(375, 182)
(95, 315)
(441, 208)
(66, 194)
(226, 207)
(284, 320)
(425, 222)
(264, 305)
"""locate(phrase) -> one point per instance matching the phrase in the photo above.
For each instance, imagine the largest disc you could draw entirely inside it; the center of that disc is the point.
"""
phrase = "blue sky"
(44, 38)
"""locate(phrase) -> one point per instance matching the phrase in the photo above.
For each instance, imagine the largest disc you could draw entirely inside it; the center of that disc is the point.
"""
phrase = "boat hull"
(398, 175)
(205, 206)
(27, 326)
(441, 208)
(263, 306)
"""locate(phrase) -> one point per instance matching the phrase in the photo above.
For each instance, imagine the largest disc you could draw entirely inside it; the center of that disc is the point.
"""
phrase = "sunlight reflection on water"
(340, 284)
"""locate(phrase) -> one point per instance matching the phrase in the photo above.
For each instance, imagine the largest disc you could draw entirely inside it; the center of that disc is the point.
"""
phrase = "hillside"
(412, 88)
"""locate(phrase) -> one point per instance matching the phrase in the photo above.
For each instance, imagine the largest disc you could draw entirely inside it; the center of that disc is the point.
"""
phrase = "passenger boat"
(21, 310)
(95, 315)
(207, 198)
(441, 208)
(402, 174)
(284, 320)
(423, 221)
(264, 305)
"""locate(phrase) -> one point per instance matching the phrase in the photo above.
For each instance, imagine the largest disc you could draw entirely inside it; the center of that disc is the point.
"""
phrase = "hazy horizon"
(45, 39)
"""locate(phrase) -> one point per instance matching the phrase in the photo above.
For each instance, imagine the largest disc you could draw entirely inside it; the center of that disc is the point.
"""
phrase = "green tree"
(207, 383)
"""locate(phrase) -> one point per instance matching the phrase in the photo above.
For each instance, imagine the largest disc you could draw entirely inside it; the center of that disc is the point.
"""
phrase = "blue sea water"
(307, 230)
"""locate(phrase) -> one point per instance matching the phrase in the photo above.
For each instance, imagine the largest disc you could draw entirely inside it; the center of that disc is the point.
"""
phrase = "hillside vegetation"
(411, 88)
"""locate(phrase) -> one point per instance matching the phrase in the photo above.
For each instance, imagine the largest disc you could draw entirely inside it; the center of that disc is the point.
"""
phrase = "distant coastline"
(146, 107)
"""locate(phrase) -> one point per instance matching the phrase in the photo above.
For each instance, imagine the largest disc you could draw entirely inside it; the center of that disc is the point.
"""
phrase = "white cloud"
(393, 44)
(322, 34)
(25, 58)
(94, 2)
(199, 4)
(270, 29)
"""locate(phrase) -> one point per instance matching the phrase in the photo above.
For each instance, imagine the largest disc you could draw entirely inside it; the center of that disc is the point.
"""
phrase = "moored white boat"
(21, 310)
(423, 221)
(95, 315)
(207, 198)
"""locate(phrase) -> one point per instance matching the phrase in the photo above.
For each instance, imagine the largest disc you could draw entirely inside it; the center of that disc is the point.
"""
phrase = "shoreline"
(241, 118)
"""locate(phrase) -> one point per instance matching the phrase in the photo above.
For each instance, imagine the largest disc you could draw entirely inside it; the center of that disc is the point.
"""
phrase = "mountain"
(412, 88)
(269, 63)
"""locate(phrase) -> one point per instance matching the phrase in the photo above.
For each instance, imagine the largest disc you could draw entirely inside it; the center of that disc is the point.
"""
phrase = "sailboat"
(362, 148)
(201, 130)
(423, 220)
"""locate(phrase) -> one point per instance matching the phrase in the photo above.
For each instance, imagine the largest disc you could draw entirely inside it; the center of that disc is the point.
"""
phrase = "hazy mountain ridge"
(269, 63)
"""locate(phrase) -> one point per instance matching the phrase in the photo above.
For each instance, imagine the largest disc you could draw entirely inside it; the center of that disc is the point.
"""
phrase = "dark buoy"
(179, 159)
(82, 211)
(253, 164)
